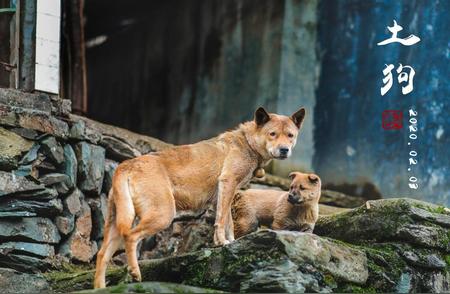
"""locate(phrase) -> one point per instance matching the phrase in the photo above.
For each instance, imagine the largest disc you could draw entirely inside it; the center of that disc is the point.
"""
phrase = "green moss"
(138, 288)
(121, 288)
(215, 270)
(447, 260)
(330, 281)
(434, 209)
(359, 289)
(73, 277)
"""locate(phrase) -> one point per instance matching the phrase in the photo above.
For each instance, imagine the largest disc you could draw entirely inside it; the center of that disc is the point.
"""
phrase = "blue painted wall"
(351, 145)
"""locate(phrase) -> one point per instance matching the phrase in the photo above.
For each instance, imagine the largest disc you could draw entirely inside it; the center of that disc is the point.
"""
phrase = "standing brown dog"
(296, 210)
(152, 187)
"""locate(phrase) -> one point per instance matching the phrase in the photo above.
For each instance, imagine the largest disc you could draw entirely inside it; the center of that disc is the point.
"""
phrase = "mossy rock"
(150, 287)
(265, 261)
(402, 220)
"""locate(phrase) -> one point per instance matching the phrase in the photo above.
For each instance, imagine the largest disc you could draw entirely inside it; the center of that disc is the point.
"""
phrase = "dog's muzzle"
(294, 199)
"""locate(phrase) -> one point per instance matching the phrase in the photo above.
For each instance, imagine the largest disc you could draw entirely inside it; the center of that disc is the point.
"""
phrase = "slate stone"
(91, 164)
(118, 149)
(98, 208)
(83, 223)
(110, 168)
(34, 229)
(25, 133)
(25, 171)
(31, 155)
(78, 248)
(44, 166)
(429, 261)
(79, 131)
(65, 224)
(25, 263)
(57, 181)
(12, 146)
(18, 207)
(72, 203)
(12, 281)
(423, 235)
(70, 165)
(53, 150)
(33, 119)
(434, 282)
(39, 101)
(61, 107)
(25, 248)
(18, 186)
(441, 219)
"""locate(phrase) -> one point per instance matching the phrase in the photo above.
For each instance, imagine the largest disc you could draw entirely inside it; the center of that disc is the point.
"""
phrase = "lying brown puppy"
(296, 210)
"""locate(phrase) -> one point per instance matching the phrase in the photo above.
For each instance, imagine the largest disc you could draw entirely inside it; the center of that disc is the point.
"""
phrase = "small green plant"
(119, 288)
(139, 288)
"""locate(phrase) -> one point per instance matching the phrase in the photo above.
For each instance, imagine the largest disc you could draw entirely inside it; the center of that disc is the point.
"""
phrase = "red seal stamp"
(392, 119)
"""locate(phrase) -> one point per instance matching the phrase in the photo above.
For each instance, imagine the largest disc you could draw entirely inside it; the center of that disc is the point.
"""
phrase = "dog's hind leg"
(156, 212)
(111, 242)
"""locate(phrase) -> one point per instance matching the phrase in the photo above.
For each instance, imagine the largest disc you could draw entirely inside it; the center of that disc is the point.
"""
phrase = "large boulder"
(150, 287)
(264, 261)
(402, 220)
(407, 243)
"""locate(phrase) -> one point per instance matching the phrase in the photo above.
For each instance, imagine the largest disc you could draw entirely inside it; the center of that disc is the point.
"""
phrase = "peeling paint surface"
(349, 104)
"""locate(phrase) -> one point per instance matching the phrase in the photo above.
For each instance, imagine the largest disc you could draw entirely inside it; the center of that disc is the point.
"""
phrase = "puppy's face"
(304, 189)
(278, 133)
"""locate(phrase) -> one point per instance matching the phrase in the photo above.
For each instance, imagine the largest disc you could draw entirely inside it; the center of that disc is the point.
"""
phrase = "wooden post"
(25, 44)
(74, 73)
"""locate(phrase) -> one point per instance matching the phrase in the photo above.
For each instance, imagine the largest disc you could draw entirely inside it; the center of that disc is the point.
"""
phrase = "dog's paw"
(134, 275)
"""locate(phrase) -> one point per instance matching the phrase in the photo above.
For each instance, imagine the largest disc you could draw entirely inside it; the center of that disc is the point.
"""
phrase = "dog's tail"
(125, 215)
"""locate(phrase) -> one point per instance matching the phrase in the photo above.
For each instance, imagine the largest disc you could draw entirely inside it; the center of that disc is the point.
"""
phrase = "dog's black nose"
(284, 151)
(293, 198)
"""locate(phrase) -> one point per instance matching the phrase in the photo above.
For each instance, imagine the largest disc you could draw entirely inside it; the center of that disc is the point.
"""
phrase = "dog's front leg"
(229, 228)
(227, 187)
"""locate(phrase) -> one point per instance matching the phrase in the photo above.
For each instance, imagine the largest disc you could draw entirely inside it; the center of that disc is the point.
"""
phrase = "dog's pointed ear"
(298, 117)
(292, 175)
(261, 116)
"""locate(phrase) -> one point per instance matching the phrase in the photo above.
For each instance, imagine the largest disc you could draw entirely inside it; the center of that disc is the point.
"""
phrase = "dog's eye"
(290, 135)
(272, 134)
(302, 187)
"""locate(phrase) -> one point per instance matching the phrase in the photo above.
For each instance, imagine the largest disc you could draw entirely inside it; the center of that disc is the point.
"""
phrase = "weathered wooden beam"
(75, 77)
(26, 44)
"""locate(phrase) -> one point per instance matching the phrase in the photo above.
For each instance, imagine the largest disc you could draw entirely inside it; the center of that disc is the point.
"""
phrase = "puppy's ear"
(313, 178)
(292, 175)
(298, 117)
(261, 116)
